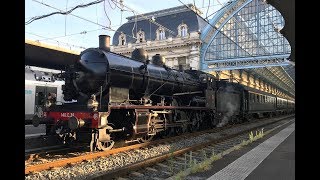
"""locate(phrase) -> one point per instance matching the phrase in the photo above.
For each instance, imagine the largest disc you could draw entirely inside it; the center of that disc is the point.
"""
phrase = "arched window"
(183, 30)
(140, 36)
(122, 39)
(161, 34)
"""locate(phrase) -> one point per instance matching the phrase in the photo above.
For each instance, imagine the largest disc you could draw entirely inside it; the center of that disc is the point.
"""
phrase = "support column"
(231, 76)
(248, 79)
(267, 87)
(218, 74)
(241, 76)
(260, 84)
(255, 84)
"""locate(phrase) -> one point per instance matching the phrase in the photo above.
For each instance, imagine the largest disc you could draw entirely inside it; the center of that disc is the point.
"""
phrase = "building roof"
(170, 18)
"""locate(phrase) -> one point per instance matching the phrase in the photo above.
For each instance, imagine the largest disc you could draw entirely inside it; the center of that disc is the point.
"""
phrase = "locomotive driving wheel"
(146, 138)
(181, 129)
(151, 133)
(195, 122)
(102, 143)
(104, 146)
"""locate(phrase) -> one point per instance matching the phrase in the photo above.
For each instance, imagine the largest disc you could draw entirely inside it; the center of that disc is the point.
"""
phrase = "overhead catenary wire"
(63, 13)
(105, 12)
(68, 44)
(208, 10)
(115, 6)
(65, 20)
(104, 27)
(143, 16)
(73, 34)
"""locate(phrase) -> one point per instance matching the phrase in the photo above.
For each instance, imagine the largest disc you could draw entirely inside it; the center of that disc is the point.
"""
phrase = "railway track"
(86, 157)
(169, 166)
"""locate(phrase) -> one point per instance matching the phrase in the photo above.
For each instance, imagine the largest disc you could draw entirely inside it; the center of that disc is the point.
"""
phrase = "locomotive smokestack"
(104, 42)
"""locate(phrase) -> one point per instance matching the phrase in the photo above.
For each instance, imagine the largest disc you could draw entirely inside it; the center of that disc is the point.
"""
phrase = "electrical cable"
(63, 13)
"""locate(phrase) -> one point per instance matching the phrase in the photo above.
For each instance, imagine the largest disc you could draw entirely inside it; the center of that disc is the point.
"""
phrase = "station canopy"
(247, 34)
(46, 56)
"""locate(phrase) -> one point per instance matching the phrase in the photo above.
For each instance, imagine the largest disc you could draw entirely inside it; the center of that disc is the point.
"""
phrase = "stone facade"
(178, 40)
(179, 50)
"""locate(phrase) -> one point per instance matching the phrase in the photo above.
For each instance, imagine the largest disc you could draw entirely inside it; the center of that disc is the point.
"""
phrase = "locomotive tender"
(134, 99)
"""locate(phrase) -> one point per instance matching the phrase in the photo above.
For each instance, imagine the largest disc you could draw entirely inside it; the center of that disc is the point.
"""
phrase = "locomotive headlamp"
(93, 103)
(75, 123)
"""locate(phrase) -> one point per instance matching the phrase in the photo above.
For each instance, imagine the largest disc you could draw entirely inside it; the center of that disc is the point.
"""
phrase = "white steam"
(230, 108)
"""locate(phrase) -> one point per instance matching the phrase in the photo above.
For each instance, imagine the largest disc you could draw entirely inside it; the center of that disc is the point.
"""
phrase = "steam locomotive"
(115, 97)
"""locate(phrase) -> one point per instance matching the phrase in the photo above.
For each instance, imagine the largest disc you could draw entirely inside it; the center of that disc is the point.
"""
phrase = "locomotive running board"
(156, 107)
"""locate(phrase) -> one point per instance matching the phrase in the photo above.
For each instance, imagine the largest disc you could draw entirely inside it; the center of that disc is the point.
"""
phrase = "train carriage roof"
(258, 91)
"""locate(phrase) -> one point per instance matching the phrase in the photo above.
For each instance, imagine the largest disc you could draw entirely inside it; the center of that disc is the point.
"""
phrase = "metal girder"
(264, 43)
(246, 63)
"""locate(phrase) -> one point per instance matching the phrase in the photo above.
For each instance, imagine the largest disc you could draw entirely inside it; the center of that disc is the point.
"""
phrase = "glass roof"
(247, 30)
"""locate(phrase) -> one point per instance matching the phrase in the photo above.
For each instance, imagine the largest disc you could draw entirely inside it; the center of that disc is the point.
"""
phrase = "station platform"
(280, 164)
(273, 158)
(31, 131)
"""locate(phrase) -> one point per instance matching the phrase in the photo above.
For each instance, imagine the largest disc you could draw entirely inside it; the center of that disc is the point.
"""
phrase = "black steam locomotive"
(113, 97)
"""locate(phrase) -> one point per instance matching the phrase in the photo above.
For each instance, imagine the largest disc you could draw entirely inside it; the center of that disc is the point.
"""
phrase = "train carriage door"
(41, 95)
(246, 101)
(39, 99)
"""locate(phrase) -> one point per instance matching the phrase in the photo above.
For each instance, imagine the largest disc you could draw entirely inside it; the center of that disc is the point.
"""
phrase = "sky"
(78, 33)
